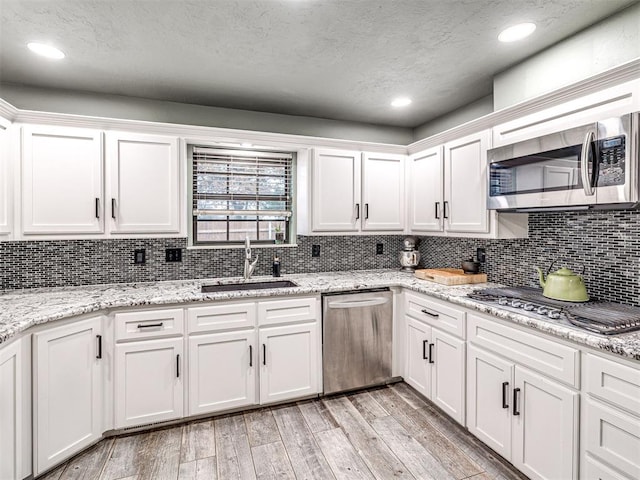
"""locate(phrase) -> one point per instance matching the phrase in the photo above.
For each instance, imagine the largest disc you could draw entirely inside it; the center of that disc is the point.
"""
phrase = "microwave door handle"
(584, 164)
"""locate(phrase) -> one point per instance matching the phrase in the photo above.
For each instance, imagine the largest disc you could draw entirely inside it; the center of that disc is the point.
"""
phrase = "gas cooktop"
(606, 318)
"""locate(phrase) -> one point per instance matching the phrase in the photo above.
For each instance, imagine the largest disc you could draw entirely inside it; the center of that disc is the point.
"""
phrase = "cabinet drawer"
(149, 324)
(292, 310)
(223, 316)
(434, 313)
(594, 470)
(612, 381)
(545, 356)
(613, 436)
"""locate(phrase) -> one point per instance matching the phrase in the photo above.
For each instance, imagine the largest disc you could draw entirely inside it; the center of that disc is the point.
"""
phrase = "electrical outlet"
(379, 248)
(481, 254)
(173, 255)
(315, 250)
(139, 256)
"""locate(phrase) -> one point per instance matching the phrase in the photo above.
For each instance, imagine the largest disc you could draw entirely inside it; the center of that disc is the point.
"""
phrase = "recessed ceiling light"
(517, 32)
(45, 50)
(401, 102)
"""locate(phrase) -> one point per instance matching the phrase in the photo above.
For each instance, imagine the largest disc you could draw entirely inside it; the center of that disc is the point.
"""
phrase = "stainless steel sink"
(230, 287)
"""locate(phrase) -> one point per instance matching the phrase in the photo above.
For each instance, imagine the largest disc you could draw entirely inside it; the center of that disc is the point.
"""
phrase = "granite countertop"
(22, 309)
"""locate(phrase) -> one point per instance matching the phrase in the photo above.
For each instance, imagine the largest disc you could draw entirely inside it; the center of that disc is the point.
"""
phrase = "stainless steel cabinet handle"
(178, 366)
(437, 210)
(359, 303)
(431, 353)
(505, 388)
(424, 349)
(264, 354)
(150, 325)
(366, 211)
(434, 315)
(584, 164)
(99, 340)
(357, 211)
(515, 401)
(113, 208)
(97, 208)
(251, 355)
(445, 205)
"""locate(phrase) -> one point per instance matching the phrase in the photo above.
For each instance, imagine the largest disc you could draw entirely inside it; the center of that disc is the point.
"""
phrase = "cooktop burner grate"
(606, 318)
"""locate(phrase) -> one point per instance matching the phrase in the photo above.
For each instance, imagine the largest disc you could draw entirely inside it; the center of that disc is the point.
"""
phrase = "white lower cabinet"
(68, 391)
(12, 406)
(435, 367)
(527, 418)
(222, 371)
(610, 419)
(289, 362)
(435, 352)
(148, 381)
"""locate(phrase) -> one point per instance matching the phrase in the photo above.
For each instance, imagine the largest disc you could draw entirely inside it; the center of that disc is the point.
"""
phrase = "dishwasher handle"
(359, 303)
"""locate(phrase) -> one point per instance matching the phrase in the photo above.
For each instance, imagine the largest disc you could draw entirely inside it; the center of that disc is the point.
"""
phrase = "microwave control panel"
(611, 161)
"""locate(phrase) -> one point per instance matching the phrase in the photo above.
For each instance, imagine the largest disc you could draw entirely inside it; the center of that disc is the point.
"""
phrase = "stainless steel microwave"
(592, 166)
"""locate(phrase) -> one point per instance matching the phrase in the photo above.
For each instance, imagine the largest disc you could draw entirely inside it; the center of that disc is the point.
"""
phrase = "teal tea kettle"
(563, 285)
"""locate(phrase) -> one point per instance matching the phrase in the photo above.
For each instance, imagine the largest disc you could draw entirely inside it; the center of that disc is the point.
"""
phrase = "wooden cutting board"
(450, 276)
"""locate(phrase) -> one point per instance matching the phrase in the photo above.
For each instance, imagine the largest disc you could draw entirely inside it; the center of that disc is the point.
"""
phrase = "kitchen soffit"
(337, 59)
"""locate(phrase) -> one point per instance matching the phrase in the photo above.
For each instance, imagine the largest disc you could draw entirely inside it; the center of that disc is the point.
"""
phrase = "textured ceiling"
(340, 59)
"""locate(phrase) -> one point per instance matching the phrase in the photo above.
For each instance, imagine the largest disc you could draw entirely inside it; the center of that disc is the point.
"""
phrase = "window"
(241, 193)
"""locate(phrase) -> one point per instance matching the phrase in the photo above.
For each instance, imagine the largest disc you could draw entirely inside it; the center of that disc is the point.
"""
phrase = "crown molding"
(7, 113)
(620, 74)
(195, 133)
(609, 78)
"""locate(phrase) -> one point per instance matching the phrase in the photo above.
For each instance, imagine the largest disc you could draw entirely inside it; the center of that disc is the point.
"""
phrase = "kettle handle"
(584, 267)
(550, 267)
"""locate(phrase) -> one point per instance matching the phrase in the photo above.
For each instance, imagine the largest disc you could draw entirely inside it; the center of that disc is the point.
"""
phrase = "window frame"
(290, 232)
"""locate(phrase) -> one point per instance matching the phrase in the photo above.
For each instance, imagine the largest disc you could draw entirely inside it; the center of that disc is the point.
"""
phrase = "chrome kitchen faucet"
(248, 266)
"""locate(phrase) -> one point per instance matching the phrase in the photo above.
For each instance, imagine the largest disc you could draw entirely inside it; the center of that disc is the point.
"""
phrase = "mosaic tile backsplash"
(606, 243)
(30, 264)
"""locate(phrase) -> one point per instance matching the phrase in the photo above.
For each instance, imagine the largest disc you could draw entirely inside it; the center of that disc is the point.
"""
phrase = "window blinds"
(241, 183)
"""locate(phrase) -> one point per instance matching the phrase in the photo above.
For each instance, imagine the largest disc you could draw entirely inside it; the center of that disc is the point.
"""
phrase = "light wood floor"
(383, 433)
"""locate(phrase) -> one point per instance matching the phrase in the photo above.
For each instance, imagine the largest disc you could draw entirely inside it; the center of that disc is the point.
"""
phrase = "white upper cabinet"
(336, 191)
(5, 185)
(425, 178)
(465, 184)
(144, 183)
(383, 192)
(607, 103)
(355, 192)
(61, 181)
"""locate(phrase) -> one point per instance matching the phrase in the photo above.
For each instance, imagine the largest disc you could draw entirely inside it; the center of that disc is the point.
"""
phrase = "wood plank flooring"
(382, 433)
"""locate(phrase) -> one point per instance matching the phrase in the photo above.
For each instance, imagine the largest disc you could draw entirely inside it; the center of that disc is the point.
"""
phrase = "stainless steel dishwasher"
(357, 333)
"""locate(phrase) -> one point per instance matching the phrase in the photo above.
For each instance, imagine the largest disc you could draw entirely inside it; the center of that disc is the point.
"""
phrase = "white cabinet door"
(447, 355)
(68, 386)
(5, 185)
(425, 178)
(11, 403)
(489, 386)
(148, 381)
(545, 443)
(336, 191)
(465, 187)
(417, 368)
(61, 181)
(222, 371)
(383, 192)
(144, 183)
(289, 362)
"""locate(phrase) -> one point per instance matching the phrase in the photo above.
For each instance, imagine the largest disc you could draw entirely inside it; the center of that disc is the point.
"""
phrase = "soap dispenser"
(276, 266)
